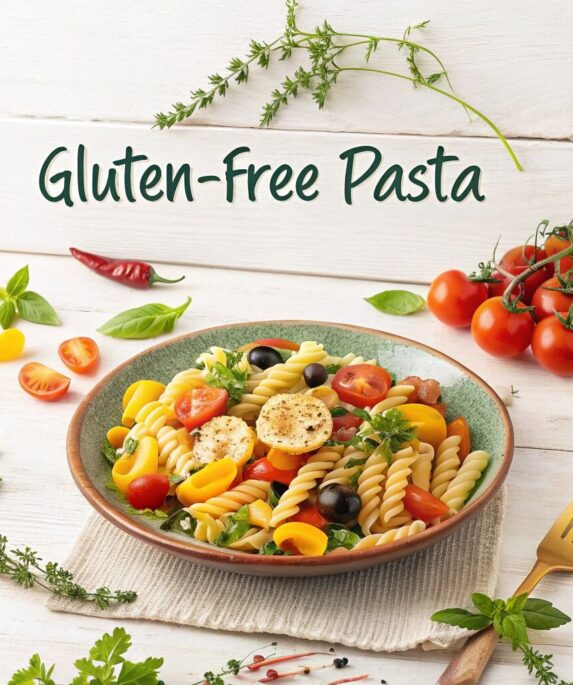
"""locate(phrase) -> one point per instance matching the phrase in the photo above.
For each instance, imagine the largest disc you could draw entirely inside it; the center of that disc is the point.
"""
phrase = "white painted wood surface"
(122, 61)
(40, 505)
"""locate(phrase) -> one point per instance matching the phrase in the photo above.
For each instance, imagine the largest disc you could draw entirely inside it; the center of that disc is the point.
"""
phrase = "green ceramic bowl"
(464, 393)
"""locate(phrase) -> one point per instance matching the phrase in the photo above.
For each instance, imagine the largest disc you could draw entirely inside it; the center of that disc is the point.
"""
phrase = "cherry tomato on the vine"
(453, 298)
(550, 297)
(148, 491)
(362, 385)
(79, 354)
(553, 245)
(552, 345)
(501, 332)
(519, 259)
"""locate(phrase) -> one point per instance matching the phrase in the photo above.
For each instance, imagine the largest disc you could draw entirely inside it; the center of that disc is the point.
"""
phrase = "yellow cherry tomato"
(301, 538)
(430, 424)
(283, 460)
(116, 436)
(144, 460)
(212, 480)
(260, 513)
(11, 344)
(137, 396)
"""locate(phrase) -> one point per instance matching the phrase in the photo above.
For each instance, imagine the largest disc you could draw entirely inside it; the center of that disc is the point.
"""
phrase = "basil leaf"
(144, 322)
(7, 313)
(35, 308)
(19, 282)
(355, 462)
(514, 629)
(237, 525)
(516, 604)
(397, 302)
(271, 549)
(180, 521)
(130, 446)
(483, 604)
(338, 536)
(109, 453)
(542, 615)
(338, 411)
(462, 618)
(332, 368)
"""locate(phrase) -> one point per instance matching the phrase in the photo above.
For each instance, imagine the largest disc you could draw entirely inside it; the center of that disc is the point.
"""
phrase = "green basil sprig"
(397, 302)
(15, 300)
(237, 526)
(144, 322)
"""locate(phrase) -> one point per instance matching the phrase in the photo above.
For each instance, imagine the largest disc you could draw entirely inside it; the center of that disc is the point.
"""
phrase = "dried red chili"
(129, 272)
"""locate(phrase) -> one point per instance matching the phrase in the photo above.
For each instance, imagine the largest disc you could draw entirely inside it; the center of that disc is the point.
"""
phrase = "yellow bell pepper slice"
(301, 538)
(136, 397)
(260, 513)
(12, 342)
(128, 467)
(283, 460)
(116, 436)
(326, 394)
(212, 480)
(430, 424)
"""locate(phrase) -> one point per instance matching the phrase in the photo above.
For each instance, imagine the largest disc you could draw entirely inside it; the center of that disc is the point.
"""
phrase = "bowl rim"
(211, 554)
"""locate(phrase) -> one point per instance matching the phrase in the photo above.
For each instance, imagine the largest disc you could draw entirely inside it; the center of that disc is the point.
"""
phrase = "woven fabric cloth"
(389, 604)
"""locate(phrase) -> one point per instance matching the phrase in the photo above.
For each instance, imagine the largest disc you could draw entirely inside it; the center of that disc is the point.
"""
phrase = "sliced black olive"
(314, 375)
(339, 503)
(264, 357)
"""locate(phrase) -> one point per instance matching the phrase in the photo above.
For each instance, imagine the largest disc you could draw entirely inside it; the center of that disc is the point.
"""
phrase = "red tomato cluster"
(537, 312)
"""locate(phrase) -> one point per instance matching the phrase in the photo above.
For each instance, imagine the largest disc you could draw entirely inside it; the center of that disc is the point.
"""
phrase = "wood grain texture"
(378, 240)
(112, 61)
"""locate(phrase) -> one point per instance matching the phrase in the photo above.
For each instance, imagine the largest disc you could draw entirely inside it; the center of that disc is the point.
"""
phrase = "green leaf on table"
(109, 648)
(483, 604)
(33, 307)
(542, 615)
(7, 313)
(516, 604)
(338, 536)
(513, 627)
(237, 525)
(462, 618)
(19, 282)
(142, 673)
(397, 302)
(144, 322)
(35, 672)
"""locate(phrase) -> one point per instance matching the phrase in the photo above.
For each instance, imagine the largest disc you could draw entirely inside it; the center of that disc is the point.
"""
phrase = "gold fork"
(555, 553)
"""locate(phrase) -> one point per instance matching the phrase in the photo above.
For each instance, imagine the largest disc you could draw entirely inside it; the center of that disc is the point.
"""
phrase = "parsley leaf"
(271, 549)
(36, 671)
(338, 536)
(387, 432)
(230, 377)
(237, 525)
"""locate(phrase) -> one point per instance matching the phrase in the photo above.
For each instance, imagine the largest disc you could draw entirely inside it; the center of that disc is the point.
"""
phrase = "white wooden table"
(95, 74)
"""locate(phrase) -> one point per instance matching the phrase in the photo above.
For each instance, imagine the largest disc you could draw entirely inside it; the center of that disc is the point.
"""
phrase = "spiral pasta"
(395, 397)
(207, 528)
(369, 488)
(280, 378)
(150, 419)
(396, 482)
(422, 467)
(252, 540)
(232, 500)
(446, 465)
(176, 450)
(468, 475)
(306, 480)
(219, 355)
(180, 384)
(377, 539)
(341, 473)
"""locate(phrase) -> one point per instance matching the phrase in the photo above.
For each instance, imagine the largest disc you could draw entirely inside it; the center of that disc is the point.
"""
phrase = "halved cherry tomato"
(555, 244)
(262, 469)
(148, 491)
(430, 425)
(81, 355)
(310, 514)
(500, 332)
(459, 426)
(453, 298)
(279, 343)
(552, 345)
(423, 505)
(549, 298)
(520, 258)
(42, 382)
(345, 427)
(362, 385)
(199, 405)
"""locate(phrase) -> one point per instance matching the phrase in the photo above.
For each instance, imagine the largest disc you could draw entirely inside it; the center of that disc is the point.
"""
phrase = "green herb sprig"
(105, 665)
(141, 323)
(229, 377)
(511, 619)
(236, 526)
(324, 49)
(16, 300)
(24, 567)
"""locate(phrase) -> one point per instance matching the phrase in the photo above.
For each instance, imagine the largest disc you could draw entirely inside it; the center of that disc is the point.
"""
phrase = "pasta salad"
(280, 448)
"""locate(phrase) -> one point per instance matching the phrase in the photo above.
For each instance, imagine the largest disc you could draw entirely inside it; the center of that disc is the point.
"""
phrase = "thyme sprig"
(323, 49)
(24, 567)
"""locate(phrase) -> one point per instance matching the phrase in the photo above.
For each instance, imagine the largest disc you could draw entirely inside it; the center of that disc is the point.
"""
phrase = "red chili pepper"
(133, 273)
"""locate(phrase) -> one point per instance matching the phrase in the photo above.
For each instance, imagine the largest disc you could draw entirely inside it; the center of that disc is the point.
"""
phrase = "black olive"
(339, 503)
(264, 357)
(278, 488)
(314, 375)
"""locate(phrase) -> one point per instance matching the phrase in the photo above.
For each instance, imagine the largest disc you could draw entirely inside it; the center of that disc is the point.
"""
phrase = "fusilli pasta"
(395, 485)
(446, 465)
(232, 500)
(468, 475)
(377, 539)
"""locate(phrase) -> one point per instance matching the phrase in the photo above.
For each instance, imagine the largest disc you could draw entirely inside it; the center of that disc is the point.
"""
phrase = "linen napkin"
(390, 604)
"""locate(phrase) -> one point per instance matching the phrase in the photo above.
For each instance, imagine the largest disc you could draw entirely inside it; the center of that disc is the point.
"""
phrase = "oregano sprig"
(323, 49)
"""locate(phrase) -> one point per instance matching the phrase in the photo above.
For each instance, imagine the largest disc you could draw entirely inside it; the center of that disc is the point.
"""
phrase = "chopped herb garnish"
(230, 377)
(237, 525)
(180, 521)
(130, 446)
(332, 368)
(338, 536)
(271, 549)
(109, 453)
